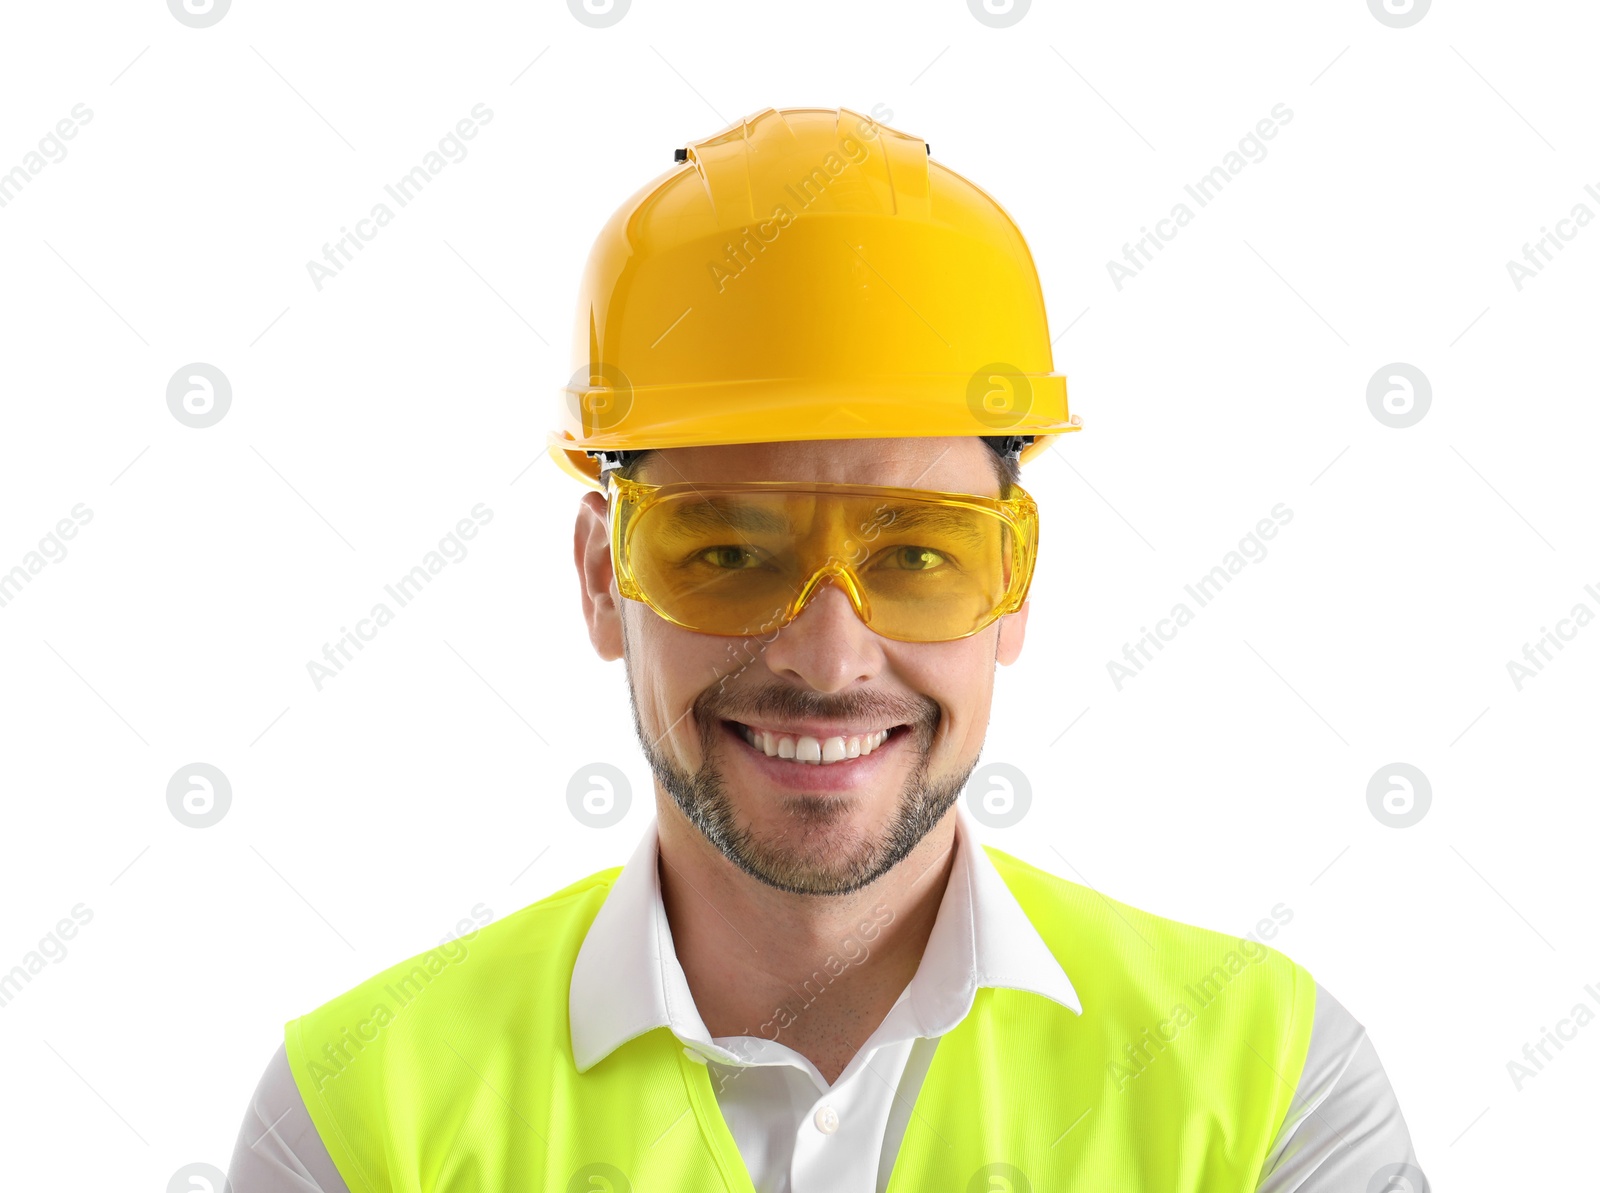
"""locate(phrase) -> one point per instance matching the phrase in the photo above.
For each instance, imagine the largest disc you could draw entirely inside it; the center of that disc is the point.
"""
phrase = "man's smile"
(822, 761)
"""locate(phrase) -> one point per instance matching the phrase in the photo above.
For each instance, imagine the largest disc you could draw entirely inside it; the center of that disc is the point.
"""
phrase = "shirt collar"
(627, 979)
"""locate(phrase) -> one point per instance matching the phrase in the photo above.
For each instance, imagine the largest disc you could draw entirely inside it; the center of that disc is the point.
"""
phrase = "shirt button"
(827, 1120)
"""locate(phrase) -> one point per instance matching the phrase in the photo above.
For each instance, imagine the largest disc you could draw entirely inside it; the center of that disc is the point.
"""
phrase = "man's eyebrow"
(930, 517)
(711, 514)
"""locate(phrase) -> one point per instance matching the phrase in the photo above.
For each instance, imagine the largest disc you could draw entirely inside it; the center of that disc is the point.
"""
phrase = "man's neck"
(816, 973)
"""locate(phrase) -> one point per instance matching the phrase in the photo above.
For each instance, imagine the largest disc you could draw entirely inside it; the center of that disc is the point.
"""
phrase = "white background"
(1231, 775)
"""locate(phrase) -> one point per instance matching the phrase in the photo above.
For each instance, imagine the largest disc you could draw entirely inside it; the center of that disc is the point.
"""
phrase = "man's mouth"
(818, 749)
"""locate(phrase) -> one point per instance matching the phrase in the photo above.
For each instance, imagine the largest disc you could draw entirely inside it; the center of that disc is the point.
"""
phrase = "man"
(811, 364)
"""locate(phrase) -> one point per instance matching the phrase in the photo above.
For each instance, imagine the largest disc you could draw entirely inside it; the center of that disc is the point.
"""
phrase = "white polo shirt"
(798, 1134)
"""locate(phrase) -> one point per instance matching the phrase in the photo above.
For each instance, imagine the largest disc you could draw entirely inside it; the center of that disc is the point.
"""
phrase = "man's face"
(819, 828)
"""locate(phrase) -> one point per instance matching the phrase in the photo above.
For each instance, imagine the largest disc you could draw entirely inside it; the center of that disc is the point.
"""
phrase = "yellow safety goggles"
(744, 558)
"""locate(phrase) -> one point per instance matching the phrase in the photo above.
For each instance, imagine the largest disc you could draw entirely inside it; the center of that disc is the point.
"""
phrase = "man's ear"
(1012, 628)
(591, 551)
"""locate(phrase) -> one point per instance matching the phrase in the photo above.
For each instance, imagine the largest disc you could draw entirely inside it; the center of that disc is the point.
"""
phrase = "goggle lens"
(738, 560)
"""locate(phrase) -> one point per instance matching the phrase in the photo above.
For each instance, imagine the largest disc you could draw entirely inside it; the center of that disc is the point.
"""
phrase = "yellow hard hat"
(807, 273)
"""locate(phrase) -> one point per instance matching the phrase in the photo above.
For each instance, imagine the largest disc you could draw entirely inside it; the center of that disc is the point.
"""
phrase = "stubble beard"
(809, 858)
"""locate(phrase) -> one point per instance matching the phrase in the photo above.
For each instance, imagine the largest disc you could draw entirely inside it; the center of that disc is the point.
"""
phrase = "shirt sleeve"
(279, 1150)
(1343, 1127)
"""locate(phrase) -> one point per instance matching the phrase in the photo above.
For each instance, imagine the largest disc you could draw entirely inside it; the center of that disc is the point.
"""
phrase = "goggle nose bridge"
(844, 574)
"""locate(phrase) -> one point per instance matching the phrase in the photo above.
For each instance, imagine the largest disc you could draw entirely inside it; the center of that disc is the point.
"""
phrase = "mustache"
(779, 703)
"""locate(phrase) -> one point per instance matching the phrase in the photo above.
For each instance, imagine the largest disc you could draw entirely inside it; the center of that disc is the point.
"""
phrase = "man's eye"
(916, 559)
(729, 558)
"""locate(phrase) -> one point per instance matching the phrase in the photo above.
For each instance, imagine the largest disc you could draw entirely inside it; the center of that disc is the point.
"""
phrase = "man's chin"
(849, 849)
(803, 843)
(801, 840)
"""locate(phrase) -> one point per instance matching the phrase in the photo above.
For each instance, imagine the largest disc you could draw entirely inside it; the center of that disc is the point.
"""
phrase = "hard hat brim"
(773, 411)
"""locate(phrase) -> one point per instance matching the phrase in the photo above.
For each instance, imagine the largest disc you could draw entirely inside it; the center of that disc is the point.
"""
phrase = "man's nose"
(827, 647)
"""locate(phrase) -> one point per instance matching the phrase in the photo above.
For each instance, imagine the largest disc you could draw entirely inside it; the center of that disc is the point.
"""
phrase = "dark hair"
(1007, 470)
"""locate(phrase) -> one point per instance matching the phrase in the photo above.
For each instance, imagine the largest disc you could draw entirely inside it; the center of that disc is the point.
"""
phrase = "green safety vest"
(453, 1071)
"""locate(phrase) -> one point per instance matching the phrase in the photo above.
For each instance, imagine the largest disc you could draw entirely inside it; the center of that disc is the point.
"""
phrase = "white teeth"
(820, 752)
